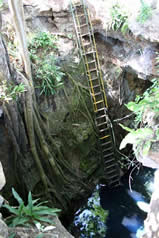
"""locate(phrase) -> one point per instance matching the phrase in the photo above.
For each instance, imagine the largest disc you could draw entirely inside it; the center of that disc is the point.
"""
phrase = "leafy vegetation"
(92, 217)
(9, 91)
(42, 40)
(1, 4)
(145, 12)
(48, 75)
(149, 100)
(30, 214)
(51, 76)
(119, 19)
(142, 137)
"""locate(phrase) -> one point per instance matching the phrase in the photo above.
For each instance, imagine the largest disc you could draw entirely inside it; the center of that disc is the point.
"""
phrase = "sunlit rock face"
(133, 51)
(151, 159)
(152, 222)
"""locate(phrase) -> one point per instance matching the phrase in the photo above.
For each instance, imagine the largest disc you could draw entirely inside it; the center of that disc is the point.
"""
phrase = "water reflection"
(125, 217)
(91, 220)
(116, 213)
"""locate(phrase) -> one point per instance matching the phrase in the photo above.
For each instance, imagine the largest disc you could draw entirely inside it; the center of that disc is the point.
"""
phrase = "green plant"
(50, 75)
(142, 138)
(145, 12)
(1, 3)
(10, 91)
(149, 100)
(43, 40)
(119, 19)
(32, 213)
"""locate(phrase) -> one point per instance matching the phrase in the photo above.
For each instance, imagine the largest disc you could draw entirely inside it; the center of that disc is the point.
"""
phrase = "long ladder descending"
(88, 50)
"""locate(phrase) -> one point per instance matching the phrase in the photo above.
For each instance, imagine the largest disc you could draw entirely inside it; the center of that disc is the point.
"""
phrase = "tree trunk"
(32, 142)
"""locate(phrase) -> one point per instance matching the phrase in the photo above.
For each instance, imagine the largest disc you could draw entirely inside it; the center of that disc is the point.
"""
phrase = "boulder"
(55, 231)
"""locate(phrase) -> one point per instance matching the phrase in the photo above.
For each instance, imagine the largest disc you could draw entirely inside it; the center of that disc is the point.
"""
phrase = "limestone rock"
(2, 177)
(57, 232)
(151, 223)
(134, 51)
(152, 158)
(148, 30)
(3, 229)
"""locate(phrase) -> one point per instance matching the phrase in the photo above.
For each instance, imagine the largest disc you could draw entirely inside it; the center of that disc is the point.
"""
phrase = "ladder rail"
(77, 38)
(99, 67)
(87, 65)
(93, 71)
(87, 13)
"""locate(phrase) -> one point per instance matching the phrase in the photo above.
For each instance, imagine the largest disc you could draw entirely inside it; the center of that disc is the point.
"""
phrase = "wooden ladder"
(88, 51)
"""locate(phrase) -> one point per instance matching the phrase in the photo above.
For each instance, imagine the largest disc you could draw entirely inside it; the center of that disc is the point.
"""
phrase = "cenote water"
(116, 213)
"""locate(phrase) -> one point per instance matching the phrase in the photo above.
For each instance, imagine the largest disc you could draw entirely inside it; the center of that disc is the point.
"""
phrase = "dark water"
(116, 213)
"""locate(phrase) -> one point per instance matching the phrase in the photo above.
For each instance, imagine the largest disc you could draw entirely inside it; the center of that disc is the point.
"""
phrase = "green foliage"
(145, 12)
(50, 76)
(149, 100)
(9, 91)
(136, 137)
(32, 213)
(92, 218)
(119, 19)
(142, 138)
(44, 40)
(1, 3)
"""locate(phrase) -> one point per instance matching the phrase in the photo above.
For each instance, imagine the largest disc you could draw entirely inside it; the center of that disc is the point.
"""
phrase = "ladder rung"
(110, 171)
(83, 25)
(108, 149)
(85, 34)
(113, 176)
(98, 103)
(102, 124)
(77, 4)
(106, 136)
(109, 161)
(107, 155)
(110, 166)
(100, 117)
(94, 78)
(91, 70)
(90, 62)
(80, 15)
(96, 86)
(100, 109)
(89, 52)
(106, 143)
(96, 94)
(104, 129)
